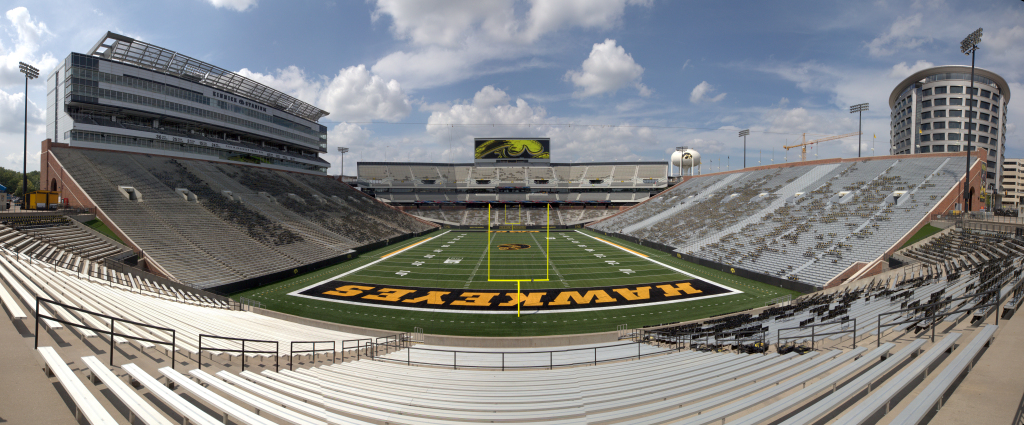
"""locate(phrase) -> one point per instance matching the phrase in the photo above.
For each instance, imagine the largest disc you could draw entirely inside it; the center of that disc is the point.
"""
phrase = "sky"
(606, 80)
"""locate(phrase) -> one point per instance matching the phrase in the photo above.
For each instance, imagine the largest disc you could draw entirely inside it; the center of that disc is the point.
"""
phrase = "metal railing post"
(37, 324)
(111, 342)
(243, 355)
(174, 348)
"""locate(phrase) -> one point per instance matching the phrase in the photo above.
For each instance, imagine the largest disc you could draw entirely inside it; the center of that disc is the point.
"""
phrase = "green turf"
(571, 265)
(98, 226)
(925, 232)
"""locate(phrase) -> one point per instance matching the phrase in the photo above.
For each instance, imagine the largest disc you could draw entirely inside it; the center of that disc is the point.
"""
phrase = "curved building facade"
(929, 113)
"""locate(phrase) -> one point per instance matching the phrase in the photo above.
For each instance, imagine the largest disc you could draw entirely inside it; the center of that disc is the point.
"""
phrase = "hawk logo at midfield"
(512, 246)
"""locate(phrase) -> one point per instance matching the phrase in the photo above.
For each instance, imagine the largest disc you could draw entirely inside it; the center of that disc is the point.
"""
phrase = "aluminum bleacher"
(806, 223)
(241, 223)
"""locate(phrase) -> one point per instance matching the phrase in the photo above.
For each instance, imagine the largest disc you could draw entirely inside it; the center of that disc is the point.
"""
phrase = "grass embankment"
(98, 226)
(925, 232)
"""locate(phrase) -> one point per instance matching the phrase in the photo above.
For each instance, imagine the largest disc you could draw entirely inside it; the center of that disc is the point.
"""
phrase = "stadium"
(191, 261)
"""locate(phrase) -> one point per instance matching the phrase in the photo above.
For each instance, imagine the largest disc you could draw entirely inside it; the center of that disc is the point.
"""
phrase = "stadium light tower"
(31, 73)
(859, 109)
(968, 46)
(342, 151)
(743, 134)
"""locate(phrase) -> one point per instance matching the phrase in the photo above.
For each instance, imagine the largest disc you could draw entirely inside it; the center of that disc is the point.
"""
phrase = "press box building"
(128, 95)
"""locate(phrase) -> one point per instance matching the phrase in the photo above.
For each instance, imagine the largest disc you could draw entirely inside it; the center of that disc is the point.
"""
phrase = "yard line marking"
(399, 251)
(618, 246)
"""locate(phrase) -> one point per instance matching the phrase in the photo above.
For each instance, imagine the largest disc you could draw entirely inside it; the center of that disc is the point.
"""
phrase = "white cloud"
(551, 15)
(236, 5)
(519, 118)
(30, 34)
(607, 69)
(354, 94)
(456, 40)
(903, 34)
(448, 22)
(12, 127)
(702, 93)
(901, 70)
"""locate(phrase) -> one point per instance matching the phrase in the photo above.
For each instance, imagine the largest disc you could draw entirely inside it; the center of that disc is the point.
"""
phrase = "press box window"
(940, 90)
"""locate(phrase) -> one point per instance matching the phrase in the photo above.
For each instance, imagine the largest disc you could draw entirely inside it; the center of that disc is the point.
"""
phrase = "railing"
(292, 352)
(359, 347)
(853, 332)
(111, 332)
(276, 352)
(936, 316)
(504, 356)
(778, 300)
(248, 304)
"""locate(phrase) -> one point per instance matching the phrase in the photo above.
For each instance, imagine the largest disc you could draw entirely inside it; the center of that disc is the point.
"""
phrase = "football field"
(455, 266)
(478, 260)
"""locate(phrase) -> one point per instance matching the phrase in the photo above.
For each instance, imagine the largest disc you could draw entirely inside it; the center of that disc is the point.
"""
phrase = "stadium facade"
(451, 194)
(929, 114)
(1013, 183)
(131, 96)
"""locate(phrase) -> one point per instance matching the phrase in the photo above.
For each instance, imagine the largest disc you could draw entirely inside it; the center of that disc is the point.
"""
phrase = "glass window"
(956, 113)
(939, 136)
(983, 139)
(940, 113)
(995, 97)
(926, 92)
(926, 115)
(971, 137)
(940, 101)
(926, 104)
(926, 126)
(984, 117)
(956, 101)
(995, 109)
(982, 127)
(953, 148)
(985, 105)
(973, 91)
(953, 136)
(954, 124)
(973, 114)
(984, 93)
(926, 138)
(940, 90)
(939, 148)
(939, 125)
(956, 89)
(925, 149)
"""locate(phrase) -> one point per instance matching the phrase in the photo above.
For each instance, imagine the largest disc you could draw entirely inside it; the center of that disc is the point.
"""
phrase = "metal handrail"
(936, 316)
(551, 364)
(111, 332)
(276, 352)
(292, 352)
(779, 337)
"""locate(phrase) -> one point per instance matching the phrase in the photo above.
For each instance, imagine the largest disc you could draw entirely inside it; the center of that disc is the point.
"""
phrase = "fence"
(111, 333)
(935, 316)
(243, 351)
(506, 356)
(853, 332)
(292, 352)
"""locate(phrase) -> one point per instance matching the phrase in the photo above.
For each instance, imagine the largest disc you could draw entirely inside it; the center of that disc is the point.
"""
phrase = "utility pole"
(743, 134)
(31, 73)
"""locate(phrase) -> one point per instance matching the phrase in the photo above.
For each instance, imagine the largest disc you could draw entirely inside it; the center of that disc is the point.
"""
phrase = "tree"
(13, 181)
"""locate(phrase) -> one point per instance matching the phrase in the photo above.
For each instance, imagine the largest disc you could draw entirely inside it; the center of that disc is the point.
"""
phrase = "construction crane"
(803, 146)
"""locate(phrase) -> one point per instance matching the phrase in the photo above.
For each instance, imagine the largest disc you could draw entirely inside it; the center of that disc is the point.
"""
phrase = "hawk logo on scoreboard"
(513, 246)
(687, 155)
